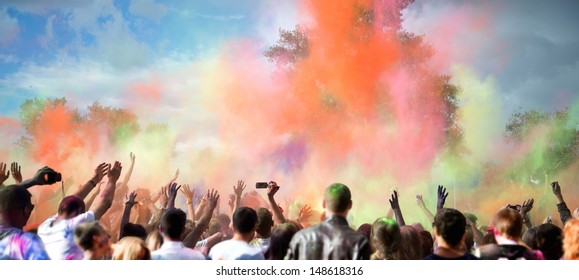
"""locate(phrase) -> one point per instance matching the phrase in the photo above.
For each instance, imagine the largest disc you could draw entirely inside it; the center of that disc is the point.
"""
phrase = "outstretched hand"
(526, 208)
(115, 172)
(272, 189)
(556, 188)
(133, 157)
(238, 190)
(420, 201)
(163, 198)
(188, 192)
(130, 199)
(442, 195)
(212, 198)
(15, 168)
(172, 191)
(100, 172)
(394, 201)
(3, 174)
(176, 176)
(305, 213)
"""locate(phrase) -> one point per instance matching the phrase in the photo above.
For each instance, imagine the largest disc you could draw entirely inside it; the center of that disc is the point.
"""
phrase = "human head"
(366, 230)
(136, 230)
(508, 224)
(71, 206)
(264, 222)
(244, 222)
(337, 199)
(214, 227)
(549, 239)
(131, 248)
(410, 247)
(91, 236)
(154, 240)
(15, 206)
(571, 240)
(529, 237)
(279, 241)
(450, 225)
(426, 243)
(173, 224)
(385, 238)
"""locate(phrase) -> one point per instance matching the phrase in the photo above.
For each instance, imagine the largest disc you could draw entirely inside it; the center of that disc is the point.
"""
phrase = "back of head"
(131, 248)
(280, 240)
(154, 240)
(366, 230)
(13, 200)
(571, 240)
(244, 220)
(386, 238)
(410, 247)
(549, 239)
(264, 222)
(173, 223)
(71, 206)
(337, 198)
(508, 223)
(489, 238)
(450, 225)
(214, 227)
(529, 237)
(135, 230)
(84, 234)
(224, 220)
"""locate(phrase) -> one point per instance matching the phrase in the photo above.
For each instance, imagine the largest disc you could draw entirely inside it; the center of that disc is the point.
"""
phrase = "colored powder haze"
(366, 106)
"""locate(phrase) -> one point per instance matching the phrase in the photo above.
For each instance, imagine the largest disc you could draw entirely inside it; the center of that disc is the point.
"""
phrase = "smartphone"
(261, 185)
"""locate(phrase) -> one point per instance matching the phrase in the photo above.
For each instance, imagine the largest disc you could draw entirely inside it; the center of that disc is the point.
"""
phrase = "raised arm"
(238, 191)
(201, 206)
(99, 172)
(16, 172)
(525, 209)
(42, 177)
(396, 208)
(425, 210)
(189, 195)
(192, 238)
(92, 196)
(129, 203)
(272, 189)
(304, 215)
(172, 193)
(125, 183)
(4, 175)
(564, 211)
(105, 199)
(442, 195)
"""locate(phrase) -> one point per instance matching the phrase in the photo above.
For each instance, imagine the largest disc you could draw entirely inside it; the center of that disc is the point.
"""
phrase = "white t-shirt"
(59, 238)
(234, 250)
(261, 244)
(174, 250)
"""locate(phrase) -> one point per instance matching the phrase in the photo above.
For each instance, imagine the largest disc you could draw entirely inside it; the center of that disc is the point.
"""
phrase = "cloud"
(43, 7)
(8, 58)
(48, 37)
(148, 8)
(9, 28)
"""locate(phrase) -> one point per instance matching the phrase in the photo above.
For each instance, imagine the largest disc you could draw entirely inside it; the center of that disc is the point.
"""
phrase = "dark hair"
(451, 225)
(509, 222)
(337, 197)
(84, 234)
(386, 239)
(489, 238)
(410, 248)
(264, 222)
(135, 230)
(365, 229)
(173, 223)
(244, 220)
(426, 242)
(13, 198)
(529, 237)
(549, 239)
(71, 205)
(279, 241)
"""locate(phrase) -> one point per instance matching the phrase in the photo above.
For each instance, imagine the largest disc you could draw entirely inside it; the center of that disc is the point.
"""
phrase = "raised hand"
(556, 189)
(394, 201)
(100, 172)
(420, 201)
(212, 198)
(176, 176)
(272, 189)
(442, 195)
(132, 157)
(163, 198)
(115, 172)
(305, 213)
(526, 208)
(3, 174)
(188, 193)
(130, 199)
(172, 190)
(15, 168)
(231, 201)
(238, 190)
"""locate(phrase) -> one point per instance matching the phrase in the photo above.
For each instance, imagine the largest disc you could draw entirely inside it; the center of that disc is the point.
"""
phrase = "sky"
(87, 48)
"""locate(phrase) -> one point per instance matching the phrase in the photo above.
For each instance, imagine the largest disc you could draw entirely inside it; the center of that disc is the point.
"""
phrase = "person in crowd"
(571, 240)
(279, 241)
(94, 240)
(131, 248)
(238, 248)
(426, 243)
(172, 227)
(564, 211)
(154, 240)
(386, 239)
(262, 230)
(333, 239)
(549, 240)
(449, 230)
(508, 230)
(57, 232)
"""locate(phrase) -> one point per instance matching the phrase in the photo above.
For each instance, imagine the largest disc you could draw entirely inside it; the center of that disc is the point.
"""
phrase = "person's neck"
(241, 237)
(335, 214)
(505, 240)
(446, 251)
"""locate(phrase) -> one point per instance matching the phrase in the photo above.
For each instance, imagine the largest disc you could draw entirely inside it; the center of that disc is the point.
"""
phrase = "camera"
(261, 185)
(53, 177)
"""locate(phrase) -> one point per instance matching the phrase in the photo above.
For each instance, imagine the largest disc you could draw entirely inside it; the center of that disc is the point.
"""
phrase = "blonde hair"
(131, 248)
(154, 240)
(571, 240)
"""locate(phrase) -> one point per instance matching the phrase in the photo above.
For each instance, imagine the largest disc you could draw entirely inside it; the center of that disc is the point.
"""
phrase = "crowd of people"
(94, 223)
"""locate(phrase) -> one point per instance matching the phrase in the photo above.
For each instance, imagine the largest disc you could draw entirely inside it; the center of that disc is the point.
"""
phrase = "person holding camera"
(57, 232)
